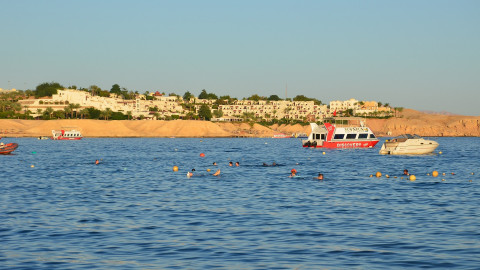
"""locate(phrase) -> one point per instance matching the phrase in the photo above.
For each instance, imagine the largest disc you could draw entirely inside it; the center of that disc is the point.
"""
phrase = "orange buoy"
(434, 173)
(202, 155)
(175, 168)
(412, 177)
(378, 174)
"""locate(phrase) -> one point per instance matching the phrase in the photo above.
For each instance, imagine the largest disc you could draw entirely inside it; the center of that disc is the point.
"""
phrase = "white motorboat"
(408, 144)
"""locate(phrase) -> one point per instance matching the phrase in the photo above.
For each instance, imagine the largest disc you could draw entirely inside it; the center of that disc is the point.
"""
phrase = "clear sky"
(423, 55)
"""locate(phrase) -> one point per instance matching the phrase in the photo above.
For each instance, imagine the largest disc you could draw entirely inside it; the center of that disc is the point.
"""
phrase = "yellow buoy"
(175, 168)
(378, 174)
(443, 174)
(440, 152)
(443, 179)
(434, 173)
(32, 166)
(323, 153)
(371, 175)
(387, 176)
(394, 177)
(208, 170)
(412, 177)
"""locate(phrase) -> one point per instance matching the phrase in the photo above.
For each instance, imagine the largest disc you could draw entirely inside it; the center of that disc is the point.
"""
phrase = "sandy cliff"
(409, 122)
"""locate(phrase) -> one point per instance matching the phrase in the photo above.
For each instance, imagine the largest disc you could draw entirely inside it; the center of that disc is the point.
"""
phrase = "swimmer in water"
(97, 162)
(230, 164)
(293, 173)
(214, 164)
(320, 176)
(237, 164)
(405, 172)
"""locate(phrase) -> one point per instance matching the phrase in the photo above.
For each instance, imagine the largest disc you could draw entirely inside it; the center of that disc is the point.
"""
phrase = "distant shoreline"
(411, 121)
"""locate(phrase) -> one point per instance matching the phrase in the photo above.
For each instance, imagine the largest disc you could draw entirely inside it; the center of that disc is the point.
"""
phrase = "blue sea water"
(58, 210)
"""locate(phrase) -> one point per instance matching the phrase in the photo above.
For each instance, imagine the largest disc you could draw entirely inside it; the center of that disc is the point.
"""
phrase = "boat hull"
(408, 149)
(8, 148)
(344, 144)
(66, 139)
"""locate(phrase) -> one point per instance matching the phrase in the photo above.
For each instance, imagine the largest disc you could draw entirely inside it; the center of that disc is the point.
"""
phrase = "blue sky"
(423, 55)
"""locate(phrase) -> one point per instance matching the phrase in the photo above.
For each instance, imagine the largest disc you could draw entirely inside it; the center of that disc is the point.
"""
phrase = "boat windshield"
(409, 136)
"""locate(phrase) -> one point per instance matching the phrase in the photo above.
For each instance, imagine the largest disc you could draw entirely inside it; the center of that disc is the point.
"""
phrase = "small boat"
(281, 136)
(66, 134)
(408, 144)
(301, 135)
(43, 137)
(8, 148)
(341, 132)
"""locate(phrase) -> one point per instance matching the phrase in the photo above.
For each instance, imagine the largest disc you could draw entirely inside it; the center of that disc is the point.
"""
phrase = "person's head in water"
(405, 172)
(97, 162)
(237, 164)
(320, 176)
(230, 164)
(293, 173)
(214, 164)
(274, 164)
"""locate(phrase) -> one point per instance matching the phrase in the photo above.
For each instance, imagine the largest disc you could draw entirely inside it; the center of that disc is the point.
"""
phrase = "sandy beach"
(410, 121)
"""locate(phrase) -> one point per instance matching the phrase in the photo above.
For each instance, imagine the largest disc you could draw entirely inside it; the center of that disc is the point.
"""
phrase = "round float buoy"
(202, 155)
(394, 177)
(323, 153)
(440, 152)
(208, 170)
(32, 166)
(443, 174)
(443, 179)
(470, 181)
(387, 176)
(434, 173)
(412, 177)
(371, 175)
(472, 173)
(378, 174)
(175, 168)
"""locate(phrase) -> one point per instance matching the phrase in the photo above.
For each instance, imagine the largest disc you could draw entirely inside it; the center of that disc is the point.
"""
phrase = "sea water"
(132, 211)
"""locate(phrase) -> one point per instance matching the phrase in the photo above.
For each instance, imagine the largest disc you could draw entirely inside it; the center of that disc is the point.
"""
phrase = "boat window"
(323, 136)
(351, 136)
(363, 135)
(372, 136)
(339, 136)
(317, 136)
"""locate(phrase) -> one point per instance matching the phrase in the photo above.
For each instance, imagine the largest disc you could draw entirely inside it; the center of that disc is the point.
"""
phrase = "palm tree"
(49, 112)
(84, 112)
(73, 108)
(106, 113)
(67, 110)
(39, 112)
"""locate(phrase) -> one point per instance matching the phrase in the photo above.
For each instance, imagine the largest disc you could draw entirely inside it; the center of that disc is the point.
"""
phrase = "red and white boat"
(341, 133)
(66, 134)
(281, 136)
